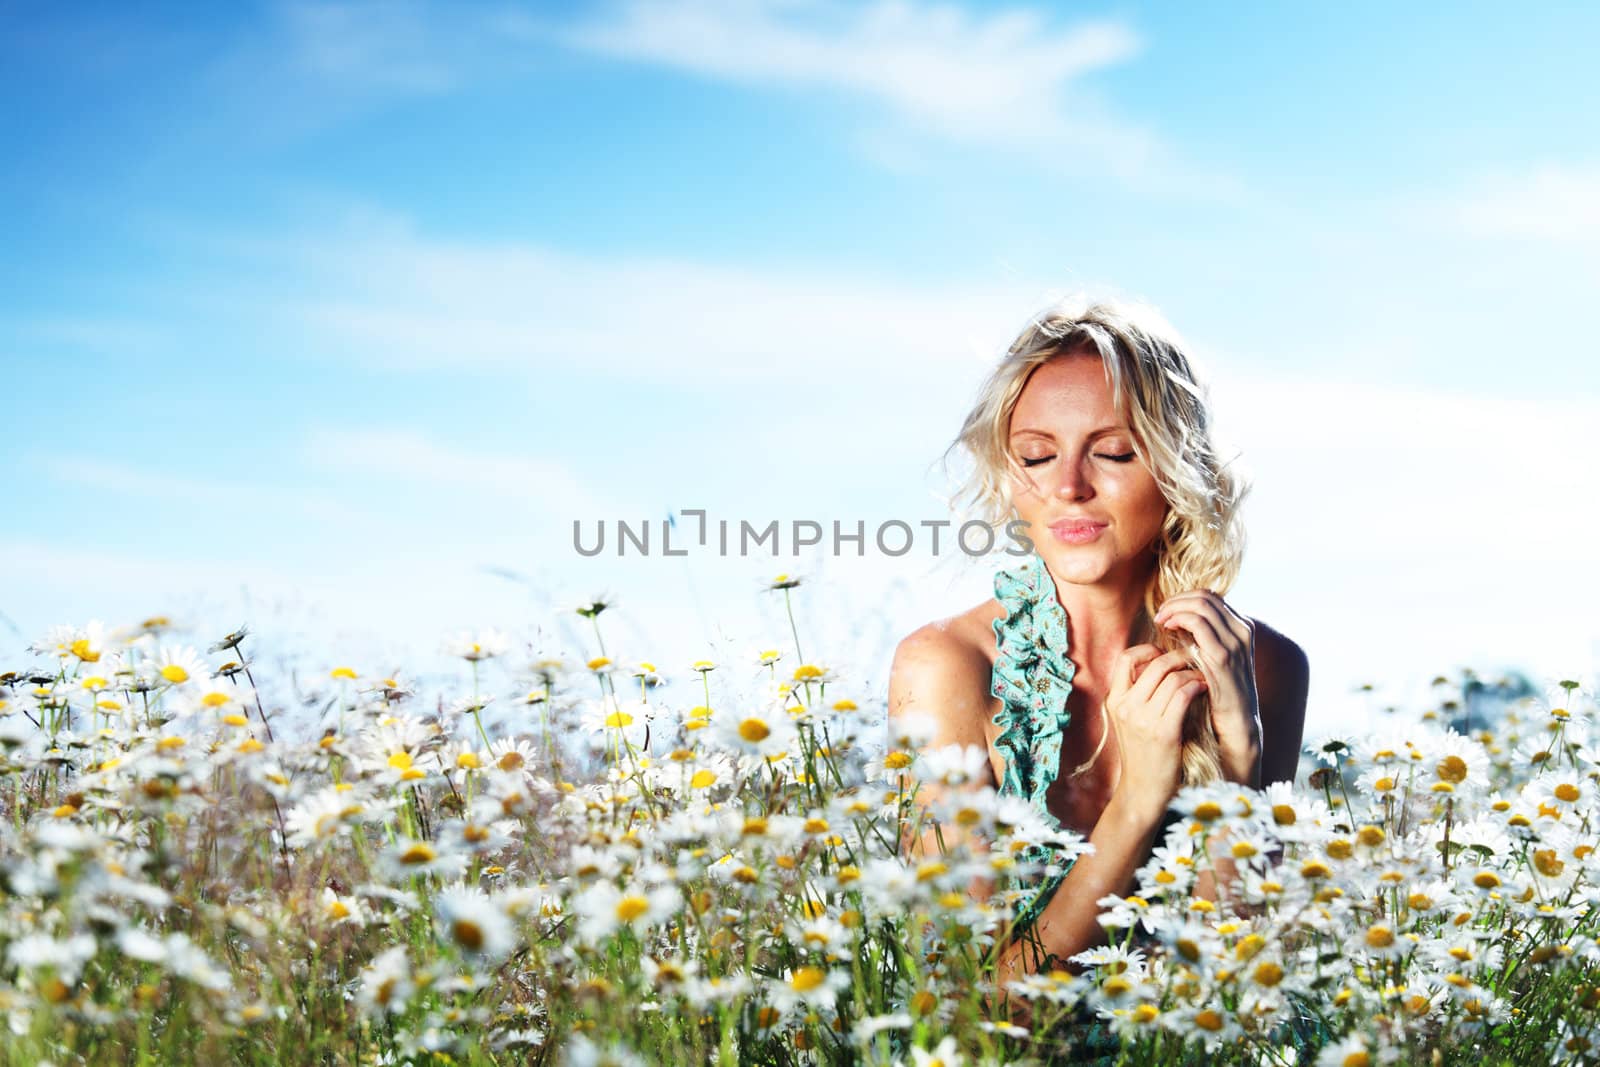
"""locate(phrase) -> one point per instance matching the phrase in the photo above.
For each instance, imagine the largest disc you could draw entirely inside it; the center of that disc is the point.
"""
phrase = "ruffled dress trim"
(1032, 676)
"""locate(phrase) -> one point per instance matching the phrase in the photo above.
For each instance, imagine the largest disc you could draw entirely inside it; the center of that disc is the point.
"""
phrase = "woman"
(1108, 670)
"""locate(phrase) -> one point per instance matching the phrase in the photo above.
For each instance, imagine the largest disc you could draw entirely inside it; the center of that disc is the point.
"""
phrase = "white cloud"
(385, 45)
(972, 76)
(398, 299)
(1551, 202)
(1385, 473)
(424, 462)
(202, 500)
(1006, 78)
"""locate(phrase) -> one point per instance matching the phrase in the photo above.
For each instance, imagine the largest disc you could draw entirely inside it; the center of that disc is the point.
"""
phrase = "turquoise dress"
(1032, 676)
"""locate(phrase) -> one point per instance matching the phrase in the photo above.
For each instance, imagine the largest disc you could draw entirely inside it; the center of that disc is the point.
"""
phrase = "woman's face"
(1093, 509)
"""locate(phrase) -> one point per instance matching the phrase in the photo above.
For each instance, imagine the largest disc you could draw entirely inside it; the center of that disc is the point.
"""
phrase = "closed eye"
(1125, 457)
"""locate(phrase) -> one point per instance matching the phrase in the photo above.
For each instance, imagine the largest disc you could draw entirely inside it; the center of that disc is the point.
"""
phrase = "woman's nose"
(1073, 483)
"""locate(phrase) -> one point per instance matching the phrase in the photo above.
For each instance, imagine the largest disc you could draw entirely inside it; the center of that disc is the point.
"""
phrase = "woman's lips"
(1076, 533)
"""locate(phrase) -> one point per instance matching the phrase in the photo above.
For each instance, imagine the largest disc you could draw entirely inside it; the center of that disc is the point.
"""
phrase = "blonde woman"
(1108, 670)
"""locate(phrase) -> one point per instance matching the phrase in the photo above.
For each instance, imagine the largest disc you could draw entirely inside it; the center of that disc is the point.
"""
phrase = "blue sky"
(311, 313)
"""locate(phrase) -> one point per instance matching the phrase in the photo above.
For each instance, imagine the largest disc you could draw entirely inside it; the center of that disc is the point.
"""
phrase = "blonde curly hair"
(1167, 408)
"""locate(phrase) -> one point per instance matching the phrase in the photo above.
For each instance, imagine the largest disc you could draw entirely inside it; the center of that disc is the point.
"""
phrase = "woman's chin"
(1074, 565)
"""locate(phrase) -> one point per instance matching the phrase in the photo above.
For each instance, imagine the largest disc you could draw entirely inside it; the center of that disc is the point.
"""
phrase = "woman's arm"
(937, 675)
(1070, 923)
(1283, 676)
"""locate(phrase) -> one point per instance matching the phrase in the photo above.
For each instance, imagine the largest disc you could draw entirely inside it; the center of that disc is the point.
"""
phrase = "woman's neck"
(1103, 620)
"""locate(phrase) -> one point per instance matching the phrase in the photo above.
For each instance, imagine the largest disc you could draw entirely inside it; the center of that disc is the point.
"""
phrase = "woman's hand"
(1149, 713)
(1225, 651)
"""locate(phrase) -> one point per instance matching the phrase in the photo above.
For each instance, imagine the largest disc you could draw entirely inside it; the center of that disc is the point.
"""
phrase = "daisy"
(1214, 1027)
(1383, 941)
(603, 908)
(1534, 754)
(406, 859)
(337, 910)
(177, 665)
(387, 983)
(808, 987)
(766, 732)
(477, 646)
(944, 1054)
(1354, 1051)
(512, 754)
(1454, 764)
(824, 934)
(705, 992)
(954, 765)
(217, 697)
(471, 921)
(646, 673)
(618, 725)
(64, 957)
(90, 643)
(325, 815)
(868, 1028)
(1561, 793)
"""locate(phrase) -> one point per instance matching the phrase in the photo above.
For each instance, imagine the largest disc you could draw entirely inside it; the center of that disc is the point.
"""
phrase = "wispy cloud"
(405, 300)
(1551, 202)
(424, 462)
(1006, 78)
(1385, 473)
(377, 44)
(222, 501)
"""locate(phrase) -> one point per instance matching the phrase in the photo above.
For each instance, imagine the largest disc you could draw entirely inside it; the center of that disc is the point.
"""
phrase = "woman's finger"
(1129, 663)
(1157, 671)
(1177, 705)
(1162, 699)
(1212, 645)
(1211, 605)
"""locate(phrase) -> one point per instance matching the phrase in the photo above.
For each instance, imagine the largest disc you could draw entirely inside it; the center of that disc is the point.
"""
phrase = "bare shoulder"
(942, 670)
(1283, 678)
(1278, 659)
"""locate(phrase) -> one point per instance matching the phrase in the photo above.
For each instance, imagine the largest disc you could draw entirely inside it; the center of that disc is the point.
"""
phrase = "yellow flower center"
(1548, 865)
(806, 979)
(468, 934)
(1267, 974)
(419, 853)
(754, 730)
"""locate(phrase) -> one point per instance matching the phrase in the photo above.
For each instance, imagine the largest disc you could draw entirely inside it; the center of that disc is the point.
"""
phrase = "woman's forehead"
(1066, 391)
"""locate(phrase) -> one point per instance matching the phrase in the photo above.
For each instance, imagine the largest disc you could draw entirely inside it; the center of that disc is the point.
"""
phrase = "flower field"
(628, 878)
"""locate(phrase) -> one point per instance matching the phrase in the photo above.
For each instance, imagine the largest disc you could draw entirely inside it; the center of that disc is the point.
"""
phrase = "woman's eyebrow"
(1046, 433)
